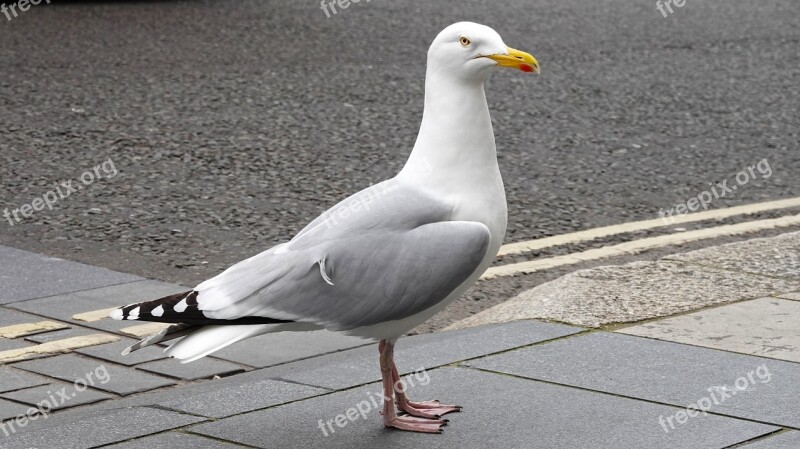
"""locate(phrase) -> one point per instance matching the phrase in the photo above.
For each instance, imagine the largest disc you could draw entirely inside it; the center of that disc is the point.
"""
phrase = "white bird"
(387, 258)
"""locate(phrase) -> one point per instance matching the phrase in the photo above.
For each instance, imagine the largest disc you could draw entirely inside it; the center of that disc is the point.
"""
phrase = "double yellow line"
(637, 246)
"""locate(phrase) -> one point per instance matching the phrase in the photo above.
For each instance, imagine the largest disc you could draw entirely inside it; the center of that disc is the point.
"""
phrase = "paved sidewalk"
(523, 384)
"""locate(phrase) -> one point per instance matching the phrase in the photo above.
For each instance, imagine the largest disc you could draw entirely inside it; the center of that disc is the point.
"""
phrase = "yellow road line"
(56, 347)
(637, 246)
(23, 330)
(144, 330)
(94, 315)
(591, 234)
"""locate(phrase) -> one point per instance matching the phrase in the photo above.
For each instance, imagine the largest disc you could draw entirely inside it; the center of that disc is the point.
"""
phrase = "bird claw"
(416, 424)
(428, 409)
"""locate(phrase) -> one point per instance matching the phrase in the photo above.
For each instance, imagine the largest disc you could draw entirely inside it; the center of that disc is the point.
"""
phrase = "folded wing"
(383, 254)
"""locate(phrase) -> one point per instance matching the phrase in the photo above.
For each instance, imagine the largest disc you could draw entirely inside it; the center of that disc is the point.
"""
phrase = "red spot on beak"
(526, 68)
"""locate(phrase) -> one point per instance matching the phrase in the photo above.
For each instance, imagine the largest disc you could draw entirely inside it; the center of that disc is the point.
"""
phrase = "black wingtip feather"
(182, 308)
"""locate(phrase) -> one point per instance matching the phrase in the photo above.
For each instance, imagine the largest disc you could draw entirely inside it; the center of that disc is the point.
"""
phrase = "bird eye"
(464, 41)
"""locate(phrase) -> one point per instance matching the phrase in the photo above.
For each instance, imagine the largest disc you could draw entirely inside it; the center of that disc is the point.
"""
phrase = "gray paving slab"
(282, 347)
(25, 275)
(91, 430)
(767, 327)
(13, 379)
(773, 256)
(664, 372)
(359, 366)
(11, 317)
(228, 395)
(499, 411)
(236, 397)
(174, 440)
(60, 335)
(58, 395)
(794, 296)
(16, 343)
(204, 368)
(112, 352)
(10, 410)
(63, 307)
(628, 293)
(118, 380)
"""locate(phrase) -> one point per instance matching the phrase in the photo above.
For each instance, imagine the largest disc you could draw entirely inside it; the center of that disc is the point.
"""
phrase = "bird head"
(471, 51)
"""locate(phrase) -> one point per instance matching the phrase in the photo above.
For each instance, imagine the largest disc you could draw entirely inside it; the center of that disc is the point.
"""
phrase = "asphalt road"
(230, 125)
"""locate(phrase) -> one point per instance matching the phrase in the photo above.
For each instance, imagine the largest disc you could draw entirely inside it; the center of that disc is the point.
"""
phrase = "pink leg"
(426, 409)
(390, 418)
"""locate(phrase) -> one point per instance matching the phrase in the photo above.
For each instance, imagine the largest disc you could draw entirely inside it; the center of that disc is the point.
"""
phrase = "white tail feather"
(210, 339)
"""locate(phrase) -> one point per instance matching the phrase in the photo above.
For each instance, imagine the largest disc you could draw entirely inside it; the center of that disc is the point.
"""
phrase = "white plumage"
(389, 257)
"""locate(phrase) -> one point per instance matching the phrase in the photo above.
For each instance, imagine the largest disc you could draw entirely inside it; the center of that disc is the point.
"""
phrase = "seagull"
(385, 259)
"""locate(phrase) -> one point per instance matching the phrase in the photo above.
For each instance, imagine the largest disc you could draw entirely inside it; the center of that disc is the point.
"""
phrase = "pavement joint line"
(166, 431)
(187, 431)
(583, 331)
(302, 384)
(212, 419)
(743, 444)
(235, 444)
(137, 367)
(329, 390)
(35, 386)
(54, 380)
(608, 393)
(27, 329)
(11, 304)
(638, 246)
(164, 408)
(300, 359)
(56, 347)
(212, 356)
(605, 231)
(616, 327)
(709, 348)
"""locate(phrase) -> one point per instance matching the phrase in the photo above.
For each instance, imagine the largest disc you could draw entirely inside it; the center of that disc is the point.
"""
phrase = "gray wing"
(383, 254)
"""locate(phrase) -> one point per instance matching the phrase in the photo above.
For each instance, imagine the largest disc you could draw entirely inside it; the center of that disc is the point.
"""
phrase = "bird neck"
(455, 137)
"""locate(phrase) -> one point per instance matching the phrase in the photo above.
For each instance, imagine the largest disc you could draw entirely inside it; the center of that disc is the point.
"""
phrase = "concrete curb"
(675, 284)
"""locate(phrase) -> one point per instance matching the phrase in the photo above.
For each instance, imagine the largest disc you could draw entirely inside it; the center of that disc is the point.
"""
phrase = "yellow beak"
(516, 59)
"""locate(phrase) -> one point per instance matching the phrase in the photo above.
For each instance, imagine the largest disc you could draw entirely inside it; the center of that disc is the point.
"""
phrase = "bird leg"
(390, 417)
